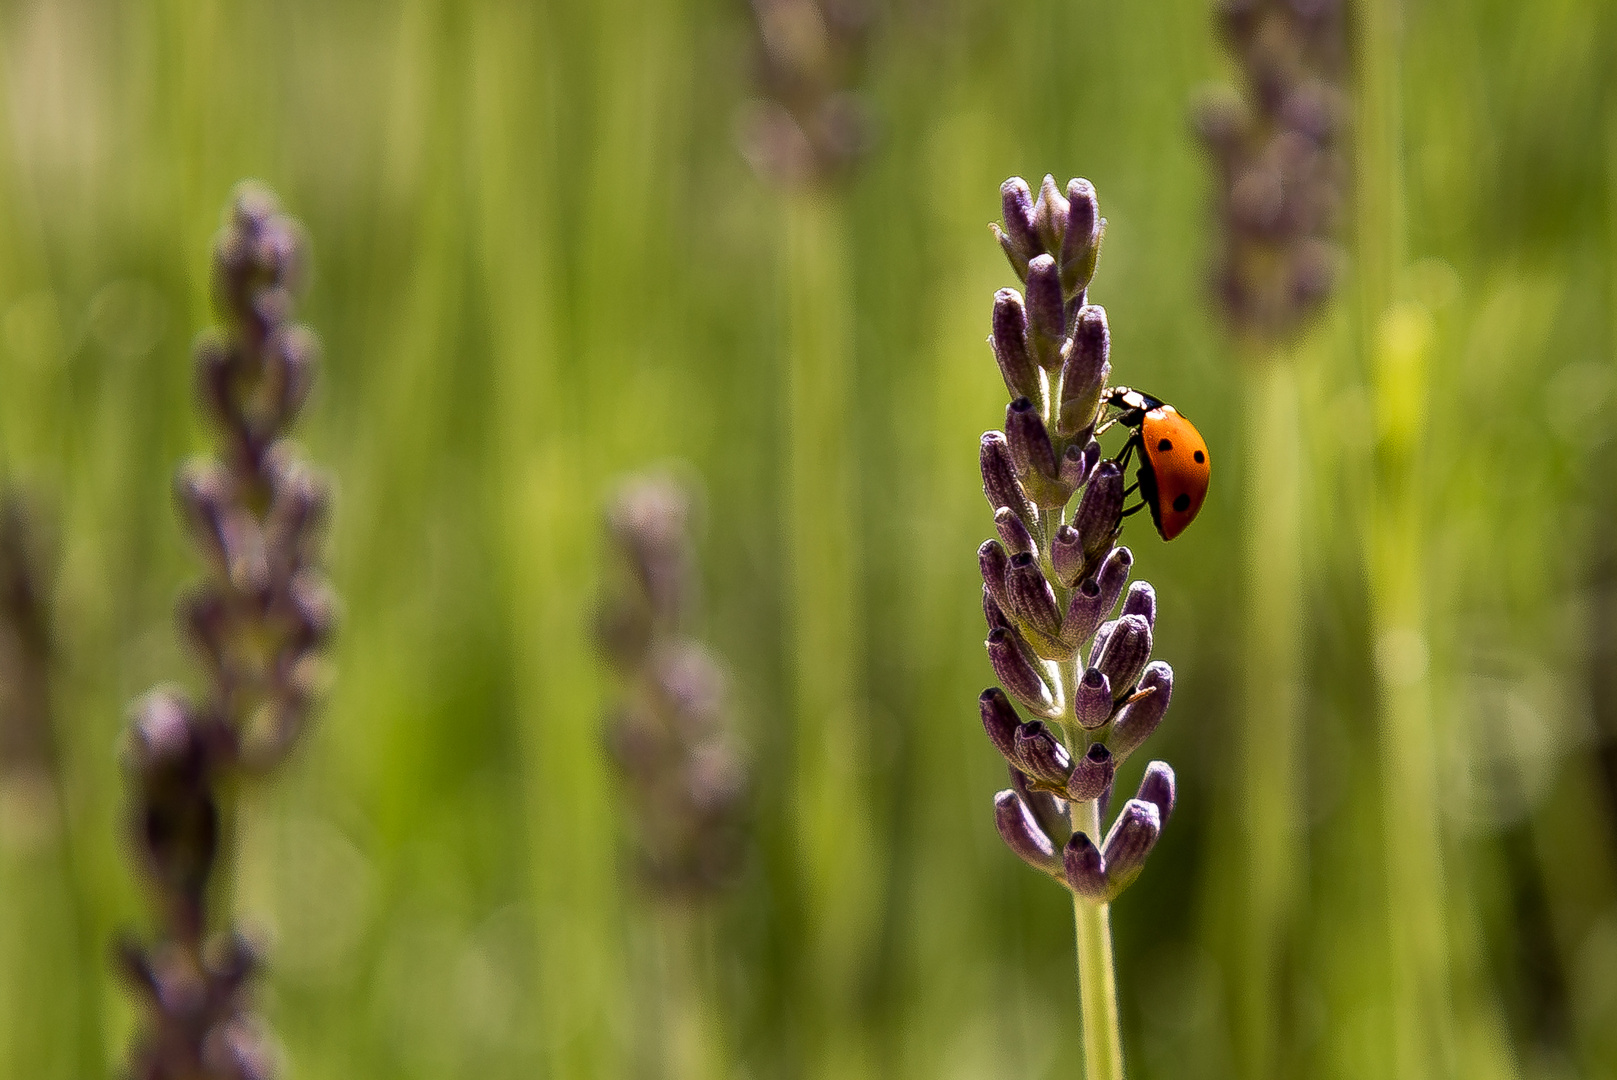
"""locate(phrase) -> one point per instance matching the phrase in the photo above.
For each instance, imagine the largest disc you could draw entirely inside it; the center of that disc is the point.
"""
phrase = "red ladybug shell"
(1180, 468)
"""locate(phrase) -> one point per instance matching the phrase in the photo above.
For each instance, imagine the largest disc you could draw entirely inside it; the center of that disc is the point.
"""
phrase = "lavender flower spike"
(1055, 573)
(257, 620)
(685, 780)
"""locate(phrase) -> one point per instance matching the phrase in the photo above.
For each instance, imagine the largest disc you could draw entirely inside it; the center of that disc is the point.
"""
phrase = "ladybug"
(1174, 466)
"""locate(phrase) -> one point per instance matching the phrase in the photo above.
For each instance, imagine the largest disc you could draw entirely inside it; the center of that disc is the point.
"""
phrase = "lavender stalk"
(807, 131)
(685, 784)
(258, 623)
(1051, 584)
(1280, 188)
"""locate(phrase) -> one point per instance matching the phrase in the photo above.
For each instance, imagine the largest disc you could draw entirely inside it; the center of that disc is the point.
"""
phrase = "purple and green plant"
(685, 784)
(257, 624)
(1051, 583)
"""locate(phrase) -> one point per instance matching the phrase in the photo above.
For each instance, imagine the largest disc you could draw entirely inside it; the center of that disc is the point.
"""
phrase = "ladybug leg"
(1128, 452)
(1135, 509)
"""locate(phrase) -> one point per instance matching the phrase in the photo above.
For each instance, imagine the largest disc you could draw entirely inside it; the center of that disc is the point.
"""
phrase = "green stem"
(687, 1040)
(1396, 341)
(835, 820)
(1270, 763)
(1097, 975)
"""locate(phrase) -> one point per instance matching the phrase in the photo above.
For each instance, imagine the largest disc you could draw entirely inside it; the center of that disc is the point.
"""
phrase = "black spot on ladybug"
(1200, 457)
(1164, 446)
(1182, 503)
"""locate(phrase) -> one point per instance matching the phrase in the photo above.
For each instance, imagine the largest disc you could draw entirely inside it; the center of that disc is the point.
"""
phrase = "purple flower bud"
(205, 621)
(1092, 700)
(1013, 531)
(1111, 577)
(1142, 601)
(1084, 614)
(1127, 649)
(1091, 774)
(1047, 319)
(1131, 839)
(1092, 600)
(1067, 556)
(1021, 832)
(1029, 442)
(313, 610)
(1010, 345)
(237, 1049)
(203, 495)
(1084, 372)
(993, 613)
(1102, 632)
(1049, 811)
(290, 358)
(215, 363)
(163, 731)
(1016, 672)
(999, 720)
(1141, 715)
(993, 562)
(999, 478)
(1031, 598)
(1080, 245)
(1041, 755)
(1100, 510)
(1077, 463)
(296, 517)
(1157, 788)
(1050, 215)
(1020, 239)
(1085, 869)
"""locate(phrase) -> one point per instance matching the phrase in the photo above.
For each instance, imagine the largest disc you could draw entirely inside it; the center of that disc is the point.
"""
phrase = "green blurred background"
(540, 261)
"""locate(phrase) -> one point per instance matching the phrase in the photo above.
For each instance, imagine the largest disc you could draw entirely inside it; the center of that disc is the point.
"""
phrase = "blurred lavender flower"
(28, 786)
(808, 124)
(257, 623)
(1281, 176)
(1053, 578)
(668, 734)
